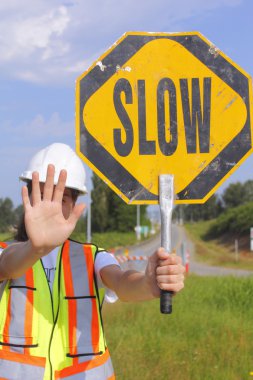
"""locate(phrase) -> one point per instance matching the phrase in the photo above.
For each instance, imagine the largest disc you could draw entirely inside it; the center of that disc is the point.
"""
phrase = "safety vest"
(48, 335)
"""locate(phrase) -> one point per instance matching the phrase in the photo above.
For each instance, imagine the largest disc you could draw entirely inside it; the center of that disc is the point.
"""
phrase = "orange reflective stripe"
(95, 319)
(90, 267)
(81, 367)
(29, 310)
(70, 291)
(7, 324)
(25, 359)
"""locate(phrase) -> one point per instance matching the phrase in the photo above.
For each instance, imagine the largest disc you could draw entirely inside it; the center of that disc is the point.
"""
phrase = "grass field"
(219, 252)
(109, 240)
(209, 335)
(6, 236)
(106, 240)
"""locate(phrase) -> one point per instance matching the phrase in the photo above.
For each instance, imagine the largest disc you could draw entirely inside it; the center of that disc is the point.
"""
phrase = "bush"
(237, 221)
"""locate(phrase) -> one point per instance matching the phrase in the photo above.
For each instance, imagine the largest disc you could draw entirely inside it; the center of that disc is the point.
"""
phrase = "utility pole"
(138, 226)
(88, 237)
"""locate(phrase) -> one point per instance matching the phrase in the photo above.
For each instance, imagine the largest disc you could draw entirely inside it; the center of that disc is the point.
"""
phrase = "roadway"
(179, 236)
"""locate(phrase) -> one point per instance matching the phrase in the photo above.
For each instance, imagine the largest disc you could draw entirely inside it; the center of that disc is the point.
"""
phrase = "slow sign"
(158, 103)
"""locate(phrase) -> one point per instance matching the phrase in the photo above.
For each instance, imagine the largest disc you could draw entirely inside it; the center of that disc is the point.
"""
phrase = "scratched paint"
(214, 50)
(127, 68)
(101, 66)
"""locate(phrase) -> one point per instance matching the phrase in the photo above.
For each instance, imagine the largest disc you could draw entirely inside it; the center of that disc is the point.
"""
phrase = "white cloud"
(38, 128)
(40, 34)
(42, 41)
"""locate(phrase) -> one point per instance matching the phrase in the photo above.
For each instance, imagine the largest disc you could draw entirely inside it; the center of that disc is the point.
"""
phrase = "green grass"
(109, 240)
(6, 236)
(217, 251)
(209, 335)
(105, 240)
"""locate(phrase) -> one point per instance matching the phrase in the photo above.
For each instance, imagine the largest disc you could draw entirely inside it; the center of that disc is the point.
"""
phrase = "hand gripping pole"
(166, 200)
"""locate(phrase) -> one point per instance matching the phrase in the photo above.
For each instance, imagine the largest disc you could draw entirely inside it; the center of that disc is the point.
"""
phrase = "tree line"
(109, 212)
(235, 195)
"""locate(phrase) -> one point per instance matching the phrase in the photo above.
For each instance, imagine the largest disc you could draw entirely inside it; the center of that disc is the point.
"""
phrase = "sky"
(46, 44)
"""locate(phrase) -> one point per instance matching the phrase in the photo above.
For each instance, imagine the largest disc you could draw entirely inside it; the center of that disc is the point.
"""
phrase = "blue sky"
(46, 44)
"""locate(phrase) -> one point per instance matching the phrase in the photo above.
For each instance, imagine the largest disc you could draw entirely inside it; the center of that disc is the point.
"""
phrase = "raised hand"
(46, 225)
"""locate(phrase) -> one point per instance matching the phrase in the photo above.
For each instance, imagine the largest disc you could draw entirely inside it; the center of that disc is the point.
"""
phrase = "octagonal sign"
(163, 103)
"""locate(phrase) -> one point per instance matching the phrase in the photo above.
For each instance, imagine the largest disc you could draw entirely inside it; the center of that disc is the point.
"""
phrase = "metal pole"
(251, 239)
(166, 200)
(138, 227)
(89, 220)
(236, 250)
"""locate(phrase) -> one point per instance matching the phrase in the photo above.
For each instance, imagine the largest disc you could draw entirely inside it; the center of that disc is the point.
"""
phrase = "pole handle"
(166, 302)
(166, 201)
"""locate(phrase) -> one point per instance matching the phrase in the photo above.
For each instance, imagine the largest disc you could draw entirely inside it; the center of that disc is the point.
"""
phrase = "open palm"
(46, 226)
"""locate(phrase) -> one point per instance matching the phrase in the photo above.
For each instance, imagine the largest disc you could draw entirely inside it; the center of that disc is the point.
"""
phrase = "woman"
(53, 287)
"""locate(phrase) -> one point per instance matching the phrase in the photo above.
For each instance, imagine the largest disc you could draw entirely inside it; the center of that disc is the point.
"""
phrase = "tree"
(7, 215)
(236, 194)
(195, 212)
(248, 187)
(109, 211)
(122, 216)
(99, 207)
(18, 214)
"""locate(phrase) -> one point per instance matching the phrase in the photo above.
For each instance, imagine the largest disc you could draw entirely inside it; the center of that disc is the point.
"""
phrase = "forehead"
(67, 191)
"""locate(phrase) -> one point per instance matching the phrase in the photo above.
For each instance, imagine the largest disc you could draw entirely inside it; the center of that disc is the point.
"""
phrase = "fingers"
(164, 258)
(76, 213)
(50, 191)
(166, 279)
(59, 188)
(36, 194)
(49, 184)
(25, 198)
(174, 287)
(169, 271)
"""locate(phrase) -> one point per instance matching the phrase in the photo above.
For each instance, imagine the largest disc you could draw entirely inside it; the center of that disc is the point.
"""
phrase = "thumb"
(76, 213)
(161, 254)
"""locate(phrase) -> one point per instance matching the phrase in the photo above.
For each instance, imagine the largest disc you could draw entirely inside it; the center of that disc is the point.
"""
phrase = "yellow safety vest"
(48, 335)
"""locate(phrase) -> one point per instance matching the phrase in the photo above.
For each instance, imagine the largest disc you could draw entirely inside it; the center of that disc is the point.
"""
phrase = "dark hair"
(21, 234)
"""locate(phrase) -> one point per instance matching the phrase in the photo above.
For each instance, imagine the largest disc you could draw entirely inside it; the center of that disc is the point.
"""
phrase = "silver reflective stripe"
(19, 371)
(21, 281)
(83, 305)
(17, 323)
(103, 372)
(17, 309)
(18, 299)
(79, 270)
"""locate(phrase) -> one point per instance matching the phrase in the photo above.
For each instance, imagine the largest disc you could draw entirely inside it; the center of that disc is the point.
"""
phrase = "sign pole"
(166, 200)
(138, 224)
(251, 239)
(88, 238)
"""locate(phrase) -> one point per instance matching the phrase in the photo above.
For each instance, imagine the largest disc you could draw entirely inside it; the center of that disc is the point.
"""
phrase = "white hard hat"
(62, 157)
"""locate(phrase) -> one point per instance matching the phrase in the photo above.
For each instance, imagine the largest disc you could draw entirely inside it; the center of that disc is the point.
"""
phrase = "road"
(178, 236)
